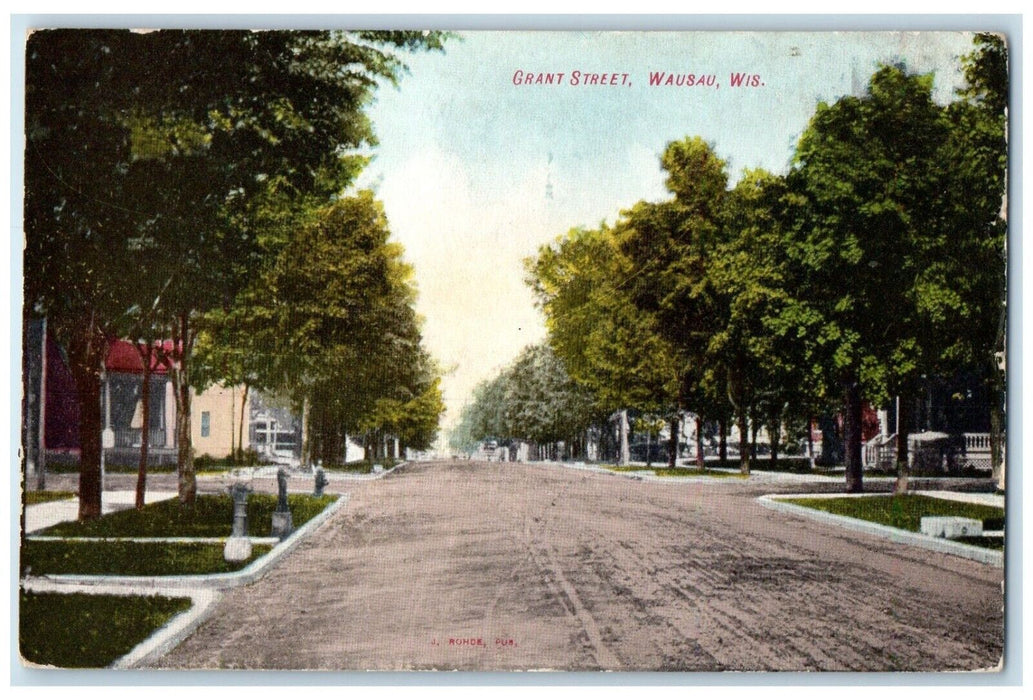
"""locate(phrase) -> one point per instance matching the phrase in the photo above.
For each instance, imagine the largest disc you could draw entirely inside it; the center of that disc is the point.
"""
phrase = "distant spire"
(857, 87)
(548, 177)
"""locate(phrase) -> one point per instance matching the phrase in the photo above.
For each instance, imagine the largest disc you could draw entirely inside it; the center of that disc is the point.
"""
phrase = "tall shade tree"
(152, 145)
(332, 321)
(867, 172)
(964, 306)
(535, 400)
(757, 351)
(670, 246)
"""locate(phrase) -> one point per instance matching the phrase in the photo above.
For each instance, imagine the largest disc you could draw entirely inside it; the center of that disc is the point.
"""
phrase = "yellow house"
(215, 420)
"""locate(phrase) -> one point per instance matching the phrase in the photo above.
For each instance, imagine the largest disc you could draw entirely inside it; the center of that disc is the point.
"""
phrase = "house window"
(206, 423)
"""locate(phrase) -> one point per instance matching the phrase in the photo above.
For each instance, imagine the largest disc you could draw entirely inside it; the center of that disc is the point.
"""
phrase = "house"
(51, 416)
(950, 412)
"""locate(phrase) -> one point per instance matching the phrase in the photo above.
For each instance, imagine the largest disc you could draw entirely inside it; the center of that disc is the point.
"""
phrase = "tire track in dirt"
(545, 560)
(587, 571)
(765, 602)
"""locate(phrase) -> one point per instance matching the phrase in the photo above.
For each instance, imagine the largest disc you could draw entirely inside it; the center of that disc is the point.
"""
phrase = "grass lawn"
(664, 471)
(365, 467)
(127, 558)
(77, 630)
(904, 511)
(33, 498)
(210, 516)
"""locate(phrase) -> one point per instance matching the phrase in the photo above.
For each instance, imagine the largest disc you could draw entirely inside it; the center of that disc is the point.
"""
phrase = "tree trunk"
(181, 382)
(306, 436)
(184, 441)
(672, 444)
(997, 443)
(86, 356)
(625, 456)
(852, 435)
(997, 437)
(145, 429)
(649, 446)
(722, 449)
(774, 430)
(904, 416)
(810, 441)
(41, 445)
(701, 458)
(754, 425)
(240, 433)
(88, 391)
(744, 442)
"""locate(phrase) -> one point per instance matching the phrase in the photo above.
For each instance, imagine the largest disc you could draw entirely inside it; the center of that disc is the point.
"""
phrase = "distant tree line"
(535, 401)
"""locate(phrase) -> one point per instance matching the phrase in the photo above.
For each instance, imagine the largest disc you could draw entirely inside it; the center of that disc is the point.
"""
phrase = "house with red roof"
(51, 413)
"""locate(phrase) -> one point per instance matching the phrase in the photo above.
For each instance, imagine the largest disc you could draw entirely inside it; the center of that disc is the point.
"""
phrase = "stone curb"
(346, 476)
(248, 574)
(168, 637)
(916, 539)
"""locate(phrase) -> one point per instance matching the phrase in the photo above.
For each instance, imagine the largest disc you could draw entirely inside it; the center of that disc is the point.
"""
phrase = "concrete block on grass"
(951, 527)
(237, 549)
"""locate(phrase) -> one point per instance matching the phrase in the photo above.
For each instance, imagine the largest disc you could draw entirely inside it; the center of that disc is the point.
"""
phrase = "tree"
(670, 246)
(543, 404)
(965, 300)
(533, 400)
(607, 343)
(74, 224)
(128, 158)
(333, 317)
(866, 172)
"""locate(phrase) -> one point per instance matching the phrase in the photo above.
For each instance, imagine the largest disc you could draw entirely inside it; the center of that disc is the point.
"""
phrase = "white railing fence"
(881, 452)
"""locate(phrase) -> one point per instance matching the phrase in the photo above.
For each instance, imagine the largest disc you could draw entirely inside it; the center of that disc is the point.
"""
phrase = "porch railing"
(131, 437)
(881, 452)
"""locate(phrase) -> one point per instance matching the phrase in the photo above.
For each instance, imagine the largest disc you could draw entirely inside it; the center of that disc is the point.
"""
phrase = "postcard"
(507, 350)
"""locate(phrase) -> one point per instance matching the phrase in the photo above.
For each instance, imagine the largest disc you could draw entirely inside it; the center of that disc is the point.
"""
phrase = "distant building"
(275, 433)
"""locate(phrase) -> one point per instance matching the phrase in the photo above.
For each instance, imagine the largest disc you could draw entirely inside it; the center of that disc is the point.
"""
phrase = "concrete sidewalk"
(985, 499)
(44, 515)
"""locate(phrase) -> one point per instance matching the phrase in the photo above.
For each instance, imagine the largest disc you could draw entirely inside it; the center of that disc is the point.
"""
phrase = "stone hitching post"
(238, 546)
(321, 482)
(283, 523)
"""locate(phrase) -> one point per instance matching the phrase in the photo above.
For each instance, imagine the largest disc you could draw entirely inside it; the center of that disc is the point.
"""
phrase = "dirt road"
(504, 566)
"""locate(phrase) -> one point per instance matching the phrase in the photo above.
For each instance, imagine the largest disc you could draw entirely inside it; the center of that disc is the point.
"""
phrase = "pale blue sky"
(476, 172)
